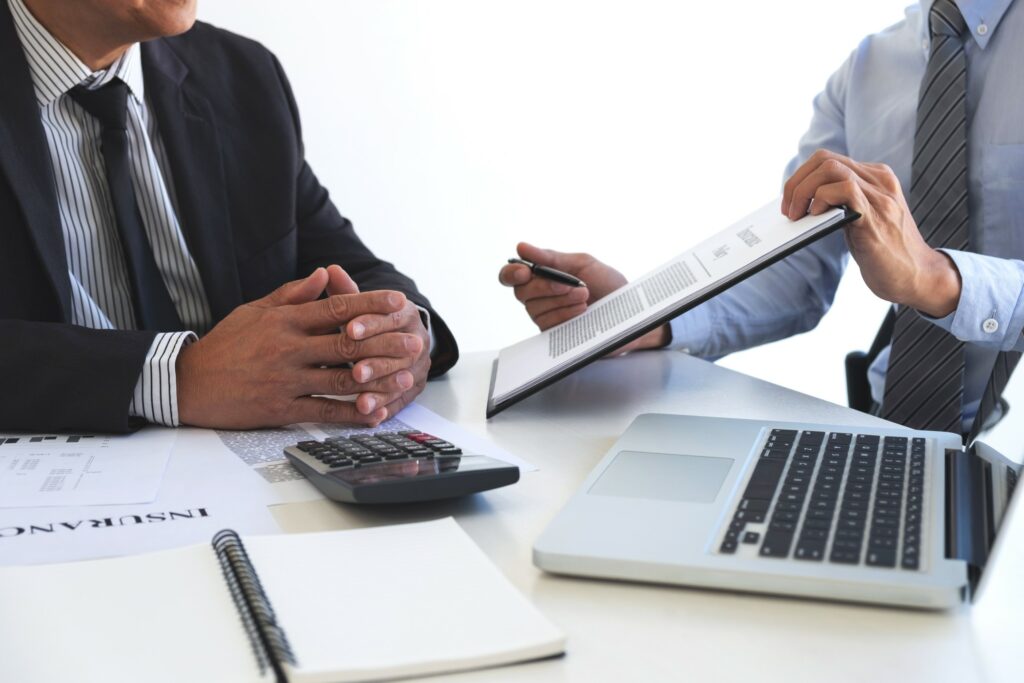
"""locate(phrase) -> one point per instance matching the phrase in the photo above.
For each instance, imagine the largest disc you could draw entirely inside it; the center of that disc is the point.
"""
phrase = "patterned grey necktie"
(924, 382)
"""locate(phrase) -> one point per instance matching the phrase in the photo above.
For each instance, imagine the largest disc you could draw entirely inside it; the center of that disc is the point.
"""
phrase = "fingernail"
(357, 330)
(405, 379)
(364, 373)
(371, 403)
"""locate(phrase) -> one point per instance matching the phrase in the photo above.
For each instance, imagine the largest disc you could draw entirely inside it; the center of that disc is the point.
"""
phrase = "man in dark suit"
(166, 254)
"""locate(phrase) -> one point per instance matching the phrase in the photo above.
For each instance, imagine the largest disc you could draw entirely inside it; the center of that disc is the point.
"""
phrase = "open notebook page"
(164, 616)
(396, 601)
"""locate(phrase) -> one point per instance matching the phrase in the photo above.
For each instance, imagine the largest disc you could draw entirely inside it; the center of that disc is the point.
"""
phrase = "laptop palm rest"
(663, 476)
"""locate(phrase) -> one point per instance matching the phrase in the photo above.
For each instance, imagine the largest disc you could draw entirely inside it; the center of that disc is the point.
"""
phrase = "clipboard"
(778, 238)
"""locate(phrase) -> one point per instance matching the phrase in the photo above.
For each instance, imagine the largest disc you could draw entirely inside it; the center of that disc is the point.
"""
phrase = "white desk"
(633, 632)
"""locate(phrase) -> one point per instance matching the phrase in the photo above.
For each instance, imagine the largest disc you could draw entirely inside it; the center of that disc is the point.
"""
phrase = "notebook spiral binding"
(269, 642)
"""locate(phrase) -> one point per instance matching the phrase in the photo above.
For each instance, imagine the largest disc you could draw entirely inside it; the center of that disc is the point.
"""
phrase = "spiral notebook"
(365, 604)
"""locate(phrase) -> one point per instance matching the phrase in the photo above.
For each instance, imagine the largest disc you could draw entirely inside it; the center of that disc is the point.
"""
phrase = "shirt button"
(924, 45)
(982, 29)
(990, 325)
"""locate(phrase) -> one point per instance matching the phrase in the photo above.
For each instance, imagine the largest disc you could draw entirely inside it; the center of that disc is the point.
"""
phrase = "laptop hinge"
(969, 514)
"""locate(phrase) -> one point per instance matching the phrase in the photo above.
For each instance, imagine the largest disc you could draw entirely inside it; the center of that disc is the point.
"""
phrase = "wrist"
(183, 370)
(656, 339)
(939, 287)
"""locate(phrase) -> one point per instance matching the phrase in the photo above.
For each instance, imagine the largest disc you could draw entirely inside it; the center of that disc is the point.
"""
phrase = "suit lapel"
(185, 120)
(25, 161)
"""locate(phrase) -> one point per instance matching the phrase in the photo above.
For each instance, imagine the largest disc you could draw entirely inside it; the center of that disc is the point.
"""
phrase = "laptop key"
(810, 549)
(754, 505)
(748, 516)
(776, 544)
(844, 556)
(881, 558)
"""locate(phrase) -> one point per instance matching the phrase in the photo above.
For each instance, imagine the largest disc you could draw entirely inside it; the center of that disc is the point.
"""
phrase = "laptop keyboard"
(844, 498)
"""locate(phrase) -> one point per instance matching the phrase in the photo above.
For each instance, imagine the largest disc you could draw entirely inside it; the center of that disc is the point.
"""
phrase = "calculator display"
(398, 469)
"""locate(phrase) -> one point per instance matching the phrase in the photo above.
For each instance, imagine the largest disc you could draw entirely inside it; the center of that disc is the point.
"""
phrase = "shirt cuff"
(425, 317)
(991, 308)
(690, 331)
(156, 393)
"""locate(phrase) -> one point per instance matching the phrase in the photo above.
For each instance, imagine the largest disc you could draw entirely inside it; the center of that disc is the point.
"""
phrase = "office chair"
(858, 390)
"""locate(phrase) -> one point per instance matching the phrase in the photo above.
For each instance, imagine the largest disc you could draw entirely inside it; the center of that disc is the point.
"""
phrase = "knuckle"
(337, 307)
(833, 165)
(329, 411)
(888, 206)
(345, 346)
(341, 382)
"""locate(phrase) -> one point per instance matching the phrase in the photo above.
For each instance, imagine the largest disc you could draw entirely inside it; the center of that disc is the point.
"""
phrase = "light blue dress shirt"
(867, 112)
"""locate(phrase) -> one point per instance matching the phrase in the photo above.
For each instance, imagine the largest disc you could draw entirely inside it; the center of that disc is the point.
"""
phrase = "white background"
(448, 130)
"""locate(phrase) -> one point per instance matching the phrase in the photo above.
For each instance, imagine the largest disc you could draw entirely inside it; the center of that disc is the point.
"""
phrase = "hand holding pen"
(555, 286)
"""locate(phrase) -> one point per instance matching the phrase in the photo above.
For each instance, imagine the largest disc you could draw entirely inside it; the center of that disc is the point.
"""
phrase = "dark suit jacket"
(252, 212)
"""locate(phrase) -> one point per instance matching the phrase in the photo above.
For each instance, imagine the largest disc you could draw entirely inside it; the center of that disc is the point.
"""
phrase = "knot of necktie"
(108, 103)
(945, 20)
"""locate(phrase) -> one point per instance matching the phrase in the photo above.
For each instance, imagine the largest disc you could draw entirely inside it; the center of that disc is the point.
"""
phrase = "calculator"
(396, 467)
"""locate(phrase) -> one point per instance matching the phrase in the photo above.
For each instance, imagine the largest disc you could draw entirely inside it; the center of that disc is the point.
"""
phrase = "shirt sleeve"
(156, 393)
(792, 295)
(991, 308)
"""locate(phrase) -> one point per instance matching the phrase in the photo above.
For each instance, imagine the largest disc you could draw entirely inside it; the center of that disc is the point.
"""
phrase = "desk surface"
(622, 631)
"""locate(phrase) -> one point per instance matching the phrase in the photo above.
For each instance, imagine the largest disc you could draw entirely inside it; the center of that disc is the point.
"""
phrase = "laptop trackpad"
(663, 476)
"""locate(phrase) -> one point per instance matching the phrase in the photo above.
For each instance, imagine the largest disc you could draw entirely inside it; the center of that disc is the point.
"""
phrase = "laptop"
(876, 515)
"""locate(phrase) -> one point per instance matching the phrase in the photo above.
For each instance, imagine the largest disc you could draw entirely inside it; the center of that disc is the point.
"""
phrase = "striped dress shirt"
(100, 288)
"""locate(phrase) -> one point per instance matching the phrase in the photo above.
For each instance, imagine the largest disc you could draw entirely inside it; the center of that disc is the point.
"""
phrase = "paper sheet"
(62, 470)
(421, 598)
(262, 450)
(204, 490)
(737, 248)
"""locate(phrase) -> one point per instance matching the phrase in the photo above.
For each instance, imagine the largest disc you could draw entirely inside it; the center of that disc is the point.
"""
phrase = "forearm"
(65, 377)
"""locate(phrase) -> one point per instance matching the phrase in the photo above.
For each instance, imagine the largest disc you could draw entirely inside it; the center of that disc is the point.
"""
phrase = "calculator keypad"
(339, 452)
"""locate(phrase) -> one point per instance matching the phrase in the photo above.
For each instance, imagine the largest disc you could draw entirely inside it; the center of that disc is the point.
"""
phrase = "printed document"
(49, 470)
(204, 490)
(630, 311)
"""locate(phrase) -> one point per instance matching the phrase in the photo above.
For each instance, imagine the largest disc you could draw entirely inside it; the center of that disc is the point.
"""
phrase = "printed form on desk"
(204, 490)
(52, 470)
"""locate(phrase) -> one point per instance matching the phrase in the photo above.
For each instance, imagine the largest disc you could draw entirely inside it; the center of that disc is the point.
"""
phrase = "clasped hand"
(272, 361)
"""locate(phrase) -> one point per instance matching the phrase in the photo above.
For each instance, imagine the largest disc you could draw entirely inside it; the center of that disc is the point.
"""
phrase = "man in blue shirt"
(936, 105)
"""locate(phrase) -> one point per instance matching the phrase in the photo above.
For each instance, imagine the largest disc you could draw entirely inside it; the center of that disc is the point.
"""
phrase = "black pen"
(550, 273)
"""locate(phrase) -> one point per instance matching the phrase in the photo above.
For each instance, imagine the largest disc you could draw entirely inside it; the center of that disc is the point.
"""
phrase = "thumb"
(339, 282)
(297, 291)
(570, 263)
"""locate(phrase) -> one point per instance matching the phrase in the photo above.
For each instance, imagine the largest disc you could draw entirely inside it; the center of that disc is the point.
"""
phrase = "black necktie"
(924, 382)
(154, 309)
